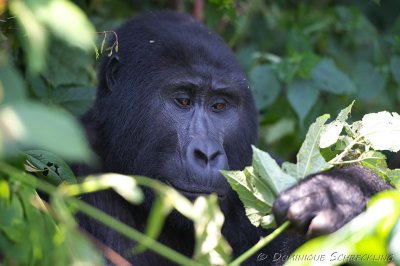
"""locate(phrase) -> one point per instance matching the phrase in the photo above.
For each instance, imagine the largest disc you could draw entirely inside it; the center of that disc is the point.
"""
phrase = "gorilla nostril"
(201, 156)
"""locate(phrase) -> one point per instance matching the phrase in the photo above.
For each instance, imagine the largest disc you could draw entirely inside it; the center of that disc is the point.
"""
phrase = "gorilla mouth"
(194, 192)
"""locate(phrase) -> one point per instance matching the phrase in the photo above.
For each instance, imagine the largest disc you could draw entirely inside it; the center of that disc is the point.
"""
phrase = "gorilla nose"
(207, 155)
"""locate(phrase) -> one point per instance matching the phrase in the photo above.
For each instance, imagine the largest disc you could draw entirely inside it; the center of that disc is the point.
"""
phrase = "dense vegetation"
(303, 58)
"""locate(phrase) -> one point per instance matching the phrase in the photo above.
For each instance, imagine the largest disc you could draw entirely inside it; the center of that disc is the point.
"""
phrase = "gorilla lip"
(194, 193)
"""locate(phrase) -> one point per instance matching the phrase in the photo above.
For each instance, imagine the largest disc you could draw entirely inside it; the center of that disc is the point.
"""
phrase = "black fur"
(140, 124)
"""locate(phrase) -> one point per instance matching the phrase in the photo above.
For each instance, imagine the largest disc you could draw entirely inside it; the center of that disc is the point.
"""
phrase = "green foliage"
(27, 124)
(49, 167)
(258, 185)
(39, 18)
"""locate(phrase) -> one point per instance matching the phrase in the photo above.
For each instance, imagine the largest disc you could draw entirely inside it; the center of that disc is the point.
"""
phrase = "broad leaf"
(32, 125)
(33, 32)
(12, 84)
(382, 130)
(309, 158)
(328, 77)
(331, 131)
(269, 171)
(255, 194)
(265, 85)
(369, 81)
(49, 167)
(302, 95)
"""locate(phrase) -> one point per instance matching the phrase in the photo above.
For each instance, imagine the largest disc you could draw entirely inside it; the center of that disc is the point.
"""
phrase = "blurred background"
(303, 58)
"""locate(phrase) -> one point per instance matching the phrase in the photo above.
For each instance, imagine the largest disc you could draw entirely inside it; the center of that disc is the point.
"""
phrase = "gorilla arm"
(325, 201)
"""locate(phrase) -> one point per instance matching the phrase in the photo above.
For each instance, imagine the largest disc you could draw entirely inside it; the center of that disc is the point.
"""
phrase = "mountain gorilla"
(174, 105)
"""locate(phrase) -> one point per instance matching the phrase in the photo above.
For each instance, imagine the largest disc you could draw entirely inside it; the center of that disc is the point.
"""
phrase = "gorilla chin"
(193, 190)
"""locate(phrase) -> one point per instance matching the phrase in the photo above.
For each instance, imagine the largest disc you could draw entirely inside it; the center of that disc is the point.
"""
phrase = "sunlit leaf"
(309, 158)
(382, 130)
(32, 125)
(124, 185)
(74, 27)
(269, 171)
(210, 248)
(331, 131)
(32, 33)
(394, 243)
(256, 196)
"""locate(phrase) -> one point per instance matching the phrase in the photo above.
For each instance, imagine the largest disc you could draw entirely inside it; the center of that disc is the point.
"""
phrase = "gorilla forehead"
(192, 48)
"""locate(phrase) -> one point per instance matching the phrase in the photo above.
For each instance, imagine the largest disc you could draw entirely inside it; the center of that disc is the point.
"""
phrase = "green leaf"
(269, 171)
(395, 67)
(369, 81)
(394, 243)
(331, 131)
(280, 129)
(66, 62)
(74, 28)
(210, 248)
(32, 125)
(290, 168)
(309, 158)
(125, 186)
(255, 194)
(49, 167)
(328, 77)
(80, 250)
(32, 33)
(11, 84)
(75, 100)
(382, 130)
(155, 222)
(394, 177)
(302, 95)
(265, 85)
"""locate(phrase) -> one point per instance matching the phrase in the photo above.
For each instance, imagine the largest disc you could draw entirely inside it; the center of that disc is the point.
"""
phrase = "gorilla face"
(174, 106)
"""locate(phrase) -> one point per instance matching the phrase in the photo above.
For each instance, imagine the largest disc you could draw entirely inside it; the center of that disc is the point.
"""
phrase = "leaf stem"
(260, 244)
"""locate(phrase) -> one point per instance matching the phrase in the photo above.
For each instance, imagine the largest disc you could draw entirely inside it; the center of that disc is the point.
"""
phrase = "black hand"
(324, 202)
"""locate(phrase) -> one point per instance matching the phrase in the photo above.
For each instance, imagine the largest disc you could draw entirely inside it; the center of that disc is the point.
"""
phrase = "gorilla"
(173, 104)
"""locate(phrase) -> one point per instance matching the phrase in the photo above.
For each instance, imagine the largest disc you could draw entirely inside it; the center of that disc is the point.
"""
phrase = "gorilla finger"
(328, 221)
(280, 208)
(302, 212)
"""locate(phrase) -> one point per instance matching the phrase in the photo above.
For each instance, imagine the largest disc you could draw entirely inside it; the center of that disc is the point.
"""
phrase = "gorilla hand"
(324, 202)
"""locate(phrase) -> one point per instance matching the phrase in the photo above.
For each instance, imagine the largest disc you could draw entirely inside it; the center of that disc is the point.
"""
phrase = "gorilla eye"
(183, 102)
(218, 106)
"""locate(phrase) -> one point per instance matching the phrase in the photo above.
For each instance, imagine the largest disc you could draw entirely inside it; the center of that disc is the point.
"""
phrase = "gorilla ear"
(112, 71)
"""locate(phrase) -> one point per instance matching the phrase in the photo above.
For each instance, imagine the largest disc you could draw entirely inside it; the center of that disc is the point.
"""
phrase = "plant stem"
(102, 217)
(260, 244)
(131, 233)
